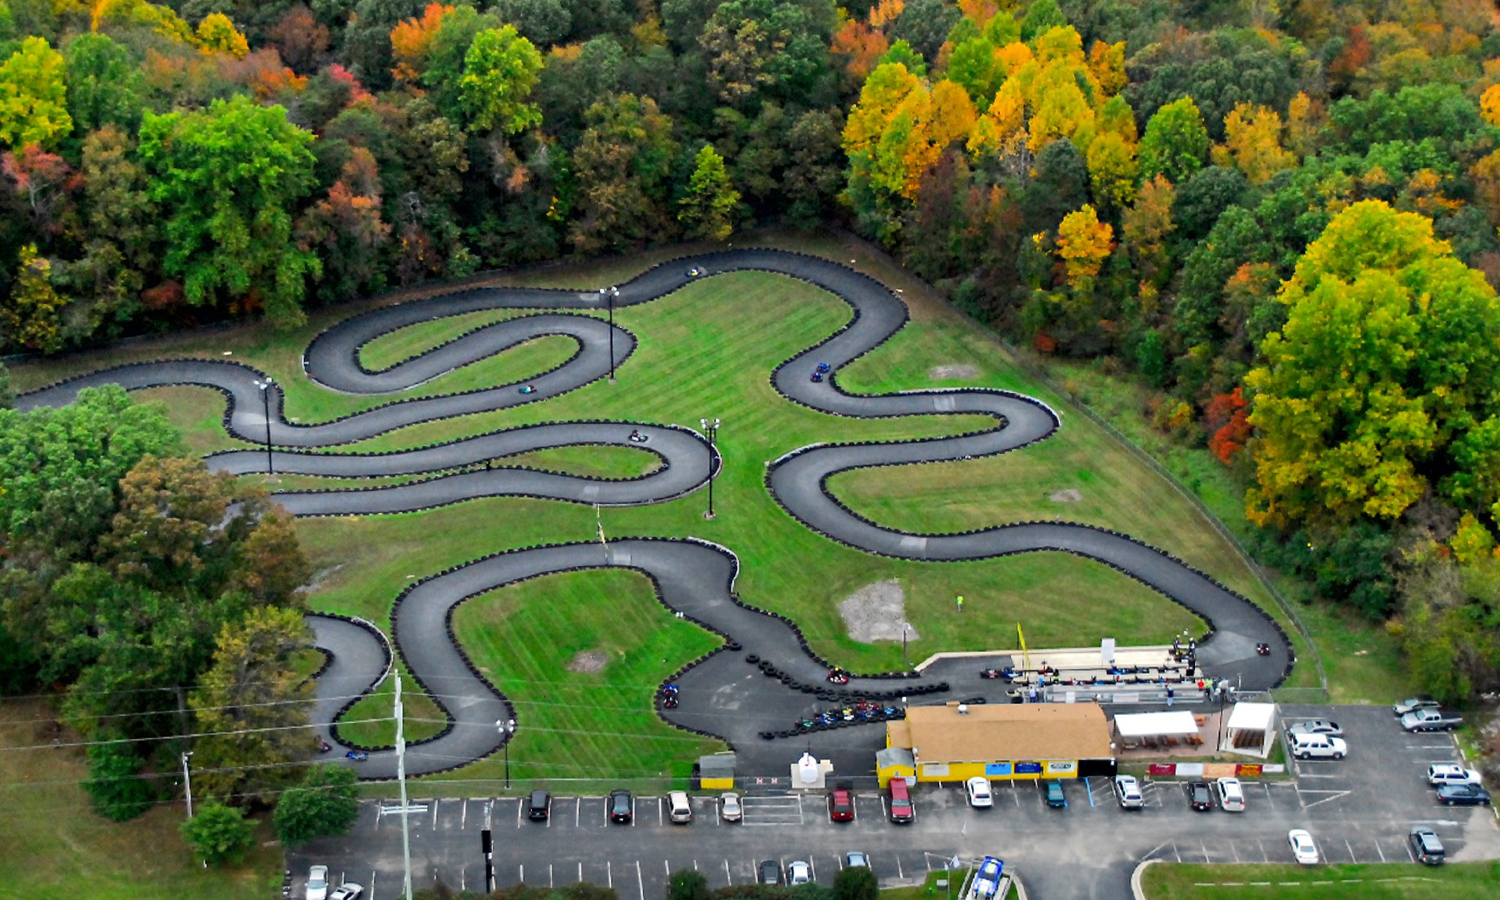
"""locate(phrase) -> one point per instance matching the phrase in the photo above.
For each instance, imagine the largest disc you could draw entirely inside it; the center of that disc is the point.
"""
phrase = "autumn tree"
(1252, 143)
(33, 96)
(710, 200)
(1083, 243)
(31, 314)
(1146, 226)
(348, 229)
(1386, 373)
(216, 34)
(1112, 169)
(228, 177)
(411, 41)
(622, 164)
(500, 70)
(1175, 142)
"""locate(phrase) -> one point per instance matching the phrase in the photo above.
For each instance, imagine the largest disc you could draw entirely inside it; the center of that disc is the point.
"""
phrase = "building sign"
(997, 770)
(935, 770)
(1163, 769)
(1068, 767)
(1250, 770)
(1028, 768)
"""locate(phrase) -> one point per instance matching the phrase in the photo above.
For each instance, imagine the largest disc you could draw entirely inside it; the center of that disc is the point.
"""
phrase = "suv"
(1231, 795)
(902, 810)
(1128, 792)
(1448, 773)
(681, 808)
(1425, 845)
(538, 806)
(1056, 798)
(980, 795)
(1199, 795)
(841, 804)
(621, 806)
(1318, 746)
(769, 872)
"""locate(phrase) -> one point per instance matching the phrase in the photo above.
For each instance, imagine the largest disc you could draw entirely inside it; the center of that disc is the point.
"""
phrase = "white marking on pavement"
(549, 875)
(1352, 857)
(379, 811)
(435, 802)
(522, 868)
(640, 880)
(609, 873)
(1380, 851)
(1205, 852)
(728, 879)
(1333, 795)
(518, 813)
(463, 821)
(812, 864)
(899, 873)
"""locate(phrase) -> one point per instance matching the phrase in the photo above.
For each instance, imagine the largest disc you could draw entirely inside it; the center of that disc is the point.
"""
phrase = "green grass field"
(1395, 881)
(707, 350)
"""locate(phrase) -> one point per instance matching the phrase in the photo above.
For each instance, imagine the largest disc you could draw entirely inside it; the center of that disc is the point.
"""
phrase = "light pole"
(711, 431)
(507, 728)
(614, 294)
(905, 630)
(187, 780)
(265, 400)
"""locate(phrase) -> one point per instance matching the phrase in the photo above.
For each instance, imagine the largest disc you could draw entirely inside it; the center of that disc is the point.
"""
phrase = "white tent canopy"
(1252, 717)
(1155, 724)
(1251, 729)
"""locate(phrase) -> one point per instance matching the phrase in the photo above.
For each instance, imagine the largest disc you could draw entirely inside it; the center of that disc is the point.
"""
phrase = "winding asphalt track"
(692, 577)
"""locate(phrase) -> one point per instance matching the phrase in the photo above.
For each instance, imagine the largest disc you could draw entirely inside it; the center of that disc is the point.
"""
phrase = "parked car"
(1430, 718)
(1128, 792)
(1318, 746)
(1411, 704)
(1316, 726)
(538, 806)
(798, 872)
(1303, 847)
(1463, 795)
(680, 808)
(347, 891)
(1231, 794)
(769, 872)
(729, 807)
(902, 810)
(1426, 846)
(1448, 773)
(987, 879)
(1055, 796)
(1200, 797)
(317, 883)
(980, 796)
(841, 804)
(621, 806)
(854, 859)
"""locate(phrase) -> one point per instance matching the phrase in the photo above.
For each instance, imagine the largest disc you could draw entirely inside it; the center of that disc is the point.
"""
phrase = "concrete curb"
(1136, 890)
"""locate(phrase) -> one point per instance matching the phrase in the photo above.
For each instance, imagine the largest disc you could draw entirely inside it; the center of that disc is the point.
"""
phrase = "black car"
(769, 872)
(538, 806)
(1426, 846)
(1464, 794)
(1200, 796)
(621, 806)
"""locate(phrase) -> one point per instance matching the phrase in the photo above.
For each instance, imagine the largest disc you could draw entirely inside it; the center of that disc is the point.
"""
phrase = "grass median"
(1392, 881)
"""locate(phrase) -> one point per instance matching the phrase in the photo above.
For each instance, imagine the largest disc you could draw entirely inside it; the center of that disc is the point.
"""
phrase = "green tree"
(710, 200)
(542, 22)
(325, 803)
(33, 96)
(219, 834)
(7, 390)
(856, 883)
(228, 178)
(1390, 354)
(500, 69)
(115, 788)
(105, 86)
(622, 167)
(688, 884)
(250, 703)
(1175, 143)
(31, 316)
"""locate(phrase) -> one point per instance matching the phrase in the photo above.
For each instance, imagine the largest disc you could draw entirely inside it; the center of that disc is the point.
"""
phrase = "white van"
(681, 808)
(1318, 746)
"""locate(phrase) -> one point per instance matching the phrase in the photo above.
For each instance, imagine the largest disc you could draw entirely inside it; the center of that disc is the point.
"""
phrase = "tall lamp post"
(711, 431)
(507, 728)
(265, 401)
(614, 294)
(187, 780)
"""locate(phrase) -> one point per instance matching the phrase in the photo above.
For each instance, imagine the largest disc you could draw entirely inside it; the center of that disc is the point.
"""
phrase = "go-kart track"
(693, 577)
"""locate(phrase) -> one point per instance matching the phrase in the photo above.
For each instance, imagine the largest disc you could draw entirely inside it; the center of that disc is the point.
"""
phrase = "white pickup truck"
(1430, 719)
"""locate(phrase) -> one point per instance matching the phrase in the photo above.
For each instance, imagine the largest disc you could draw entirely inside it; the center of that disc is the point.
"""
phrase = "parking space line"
(1264, 855)
(1206, 857)
(463, 821)
(899, 873)
(1176, 853)
(666, 867)
(522, 868)
(1235, 851)
(379, 811)
(580, 872)
(609, 873)
(728, 878)
(1379, 851)
(1088, 785)
(518, 812)
(549, 876)
(640, 880)
(812, 865)
(1352, 857)
(435, 802)
(659, 801)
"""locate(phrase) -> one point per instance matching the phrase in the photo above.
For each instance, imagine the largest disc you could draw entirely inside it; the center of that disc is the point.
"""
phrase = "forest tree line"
(1282, 216)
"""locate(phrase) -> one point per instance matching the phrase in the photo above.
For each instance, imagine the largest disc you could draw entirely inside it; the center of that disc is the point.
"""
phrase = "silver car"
(1128, 792)
(798, 872)
(1316, 726)
(729, 807)
(317, 883)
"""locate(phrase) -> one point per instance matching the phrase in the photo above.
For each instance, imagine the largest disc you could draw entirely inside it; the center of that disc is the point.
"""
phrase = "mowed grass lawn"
(1394, 881)
(53, 847)
(707, 351)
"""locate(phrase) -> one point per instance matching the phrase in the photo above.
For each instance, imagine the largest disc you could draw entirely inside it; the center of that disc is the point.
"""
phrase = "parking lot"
(1358, 810)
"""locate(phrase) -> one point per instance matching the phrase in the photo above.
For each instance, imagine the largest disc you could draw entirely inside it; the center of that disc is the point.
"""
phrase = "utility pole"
(711, 431)
(507, 728)
(401, 777)
(265, 402)
(187, 781)
(614, 294)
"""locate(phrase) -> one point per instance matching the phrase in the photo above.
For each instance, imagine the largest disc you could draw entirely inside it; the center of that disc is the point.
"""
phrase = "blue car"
(987, 879)
(1465, 794)
(1055, 796)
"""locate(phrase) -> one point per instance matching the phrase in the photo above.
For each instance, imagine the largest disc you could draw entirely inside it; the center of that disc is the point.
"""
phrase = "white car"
(1448, 773)
(1303, 847)
(317, 883)
(730, 810)
(1231, 795)
(681, 809)
(1128, 792)
(798, 872)
(1318, 746)
(1316, 726)
(347, 891)
(980, 796)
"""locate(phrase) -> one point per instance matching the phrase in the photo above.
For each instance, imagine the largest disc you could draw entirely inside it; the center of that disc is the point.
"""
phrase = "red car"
(841, 805)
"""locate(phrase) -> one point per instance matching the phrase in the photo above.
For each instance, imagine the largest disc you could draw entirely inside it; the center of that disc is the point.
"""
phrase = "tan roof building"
(1029, 731)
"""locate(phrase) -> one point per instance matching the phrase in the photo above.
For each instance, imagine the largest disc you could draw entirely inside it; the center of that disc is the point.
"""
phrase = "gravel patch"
(877, 612)
(951, 371)
(590, 662)
(1070, 495)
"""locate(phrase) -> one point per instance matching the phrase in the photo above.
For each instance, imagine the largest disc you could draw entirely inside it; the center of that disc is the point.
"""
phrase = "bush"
(115, 788)
(326, 803)
(219, 833)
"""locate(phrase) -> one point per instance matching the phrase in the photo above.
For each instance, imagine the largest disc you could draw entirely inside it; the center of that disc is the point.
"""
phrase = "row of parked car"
(800, 872)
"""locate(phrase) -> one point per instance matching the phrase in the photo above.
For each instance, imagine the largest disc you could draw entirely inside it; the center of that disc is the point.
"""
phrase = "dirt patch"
(877, 612)
(589, 662)
(1070, 495)
(955, 370)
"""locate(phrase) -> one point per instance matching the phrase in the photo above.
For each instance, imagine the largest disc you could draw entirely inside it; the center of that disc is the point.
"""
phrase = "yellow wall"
(889, 772)
(718, 784)
(997, 770)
